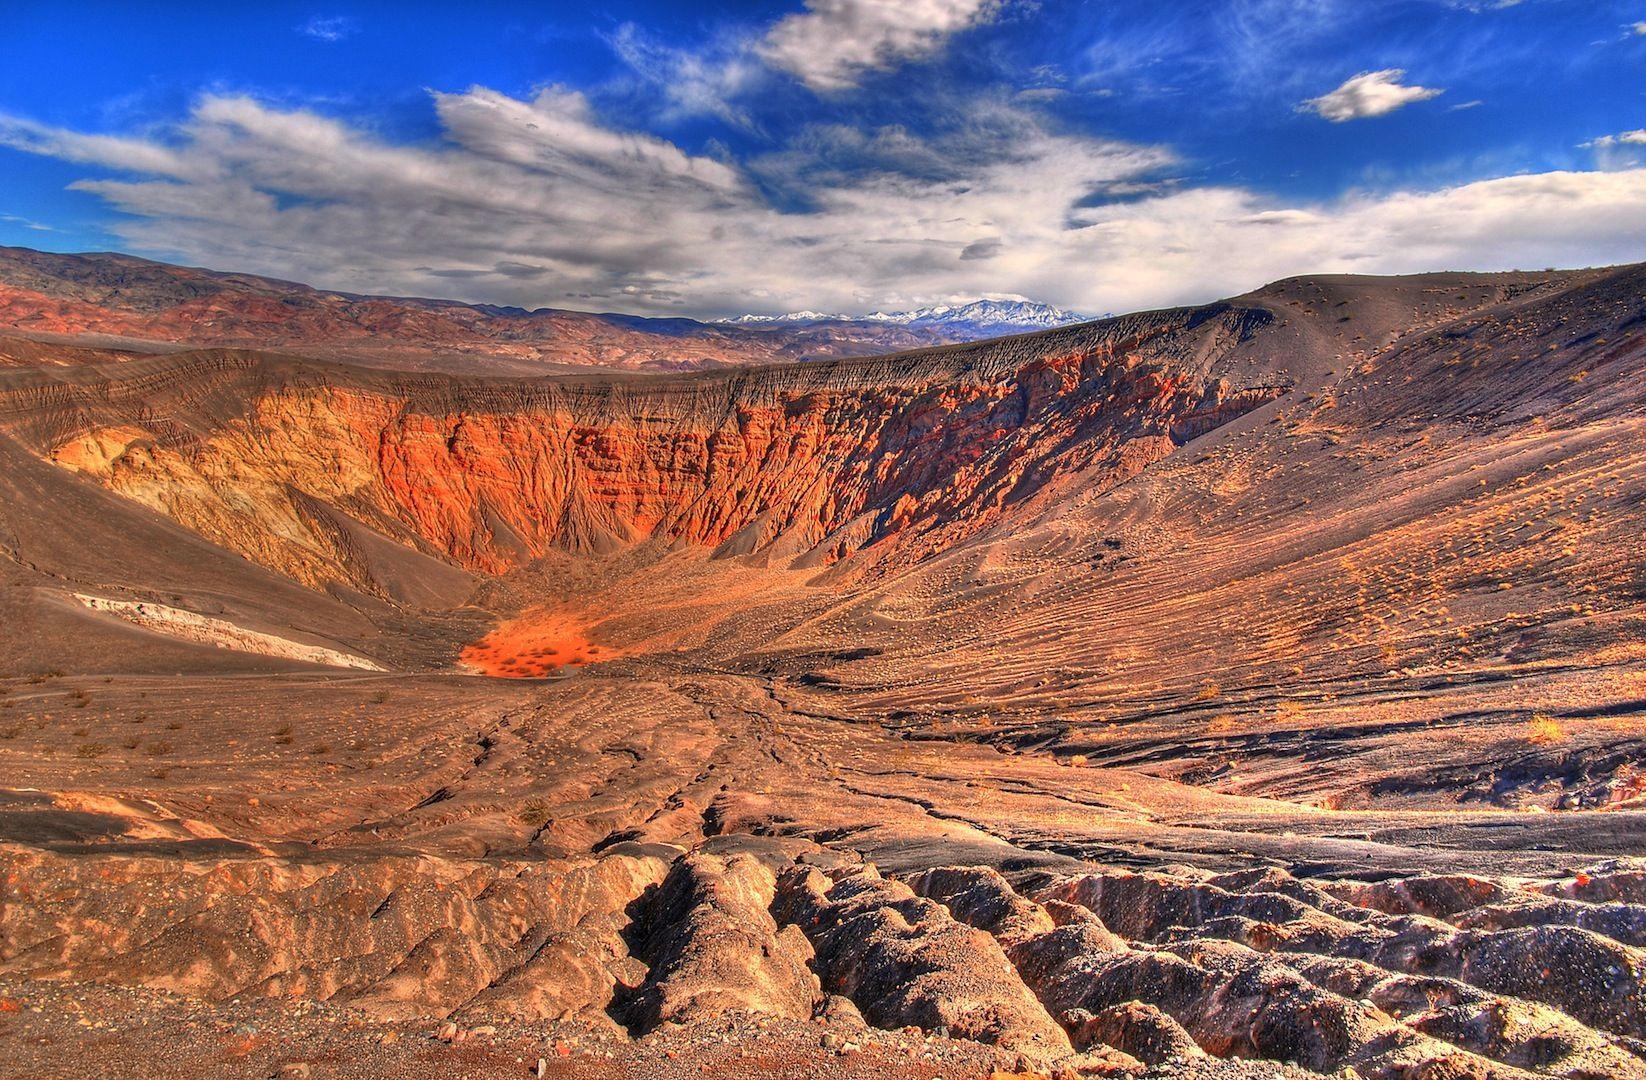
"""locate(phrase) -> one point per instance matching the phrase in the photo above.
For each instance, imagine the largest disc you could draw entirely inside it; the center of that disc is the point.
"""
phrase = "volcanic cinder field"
(1246, 690)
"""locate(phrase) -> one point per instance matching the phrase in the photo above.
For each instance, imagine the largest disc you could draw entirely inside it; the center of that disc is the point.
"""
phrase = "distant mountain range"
(113, 304)
(979, 318)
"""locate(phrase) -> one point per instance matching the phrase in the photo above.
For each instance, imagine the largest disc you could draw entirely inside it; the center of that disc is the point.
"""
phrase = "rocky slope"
(1246, 690)
(290, 463)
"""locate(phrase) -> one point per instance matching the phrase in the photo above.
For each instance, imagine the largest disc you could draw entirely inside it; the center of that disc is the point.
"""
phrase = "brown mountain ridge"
(137, 305)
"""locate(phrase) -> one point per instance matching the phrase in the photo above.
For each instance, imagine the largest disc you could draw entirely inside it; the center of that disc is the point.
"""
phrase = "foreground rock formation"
(1237, 691)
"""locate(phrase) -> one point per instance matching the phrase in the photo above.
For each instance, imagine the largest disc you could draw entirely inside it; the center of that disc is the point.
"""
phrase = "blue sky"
(830, 154)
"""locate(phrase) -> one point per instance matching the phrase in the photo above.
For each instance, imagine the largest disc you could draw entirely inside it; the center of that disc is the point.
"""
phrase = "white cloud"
(115, 152)
(1628, 138)
(1371, 93)
(1639, 28)
(833, 43)
(330, 28)
(542, 202)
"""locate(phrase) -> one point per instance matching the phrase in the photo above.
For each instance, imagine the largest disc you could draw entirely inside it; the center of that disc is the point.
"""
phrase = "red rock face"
(806, 464)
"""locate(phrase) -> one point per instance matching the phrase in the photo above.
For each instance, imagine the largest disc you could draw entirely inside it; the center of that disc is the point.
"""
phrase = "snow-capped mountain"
(979, 318)
(791, 317)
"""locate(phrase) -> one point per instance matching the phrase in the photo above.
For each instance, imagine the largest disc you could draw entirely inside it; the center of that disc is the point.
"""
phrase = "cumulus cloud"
(542, 201)
(833, 43)
(1628, 138)
(1371, 93)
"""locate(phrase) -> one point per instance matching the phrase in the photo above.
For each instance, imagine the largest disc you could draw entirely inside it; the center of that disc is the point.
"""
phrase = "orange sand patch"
(535, 645)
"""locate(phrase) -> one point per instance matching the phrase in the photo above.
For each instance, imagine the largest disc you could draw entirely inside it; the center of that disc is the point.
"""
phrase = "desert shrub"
(1543, 730)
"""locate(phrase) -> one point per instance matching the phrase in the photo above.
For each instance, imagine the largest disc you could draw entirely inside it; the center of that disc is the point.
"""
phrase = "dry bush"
(1542, 730)
(91, 750)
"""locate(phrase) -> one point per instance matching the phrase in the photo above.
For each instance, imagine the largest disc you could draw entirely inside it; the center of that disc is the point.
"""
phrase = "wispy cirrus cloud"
(330, 28)
(705, 81)
(14, 219)
(1371, 93)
